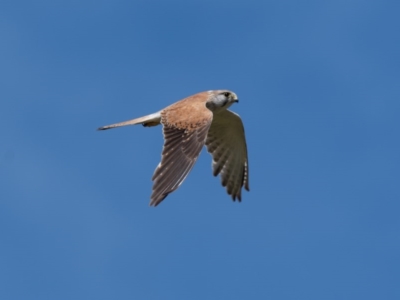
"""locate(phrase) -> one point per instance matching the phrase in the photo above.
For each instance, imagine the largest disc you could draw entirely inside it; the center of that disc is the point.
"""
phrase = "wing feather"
(227, 144)
(182, 147)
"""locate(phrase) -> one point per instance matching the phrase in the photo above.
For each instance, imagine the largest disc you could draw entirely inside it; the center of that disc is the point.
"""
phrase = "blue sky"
(318, 83)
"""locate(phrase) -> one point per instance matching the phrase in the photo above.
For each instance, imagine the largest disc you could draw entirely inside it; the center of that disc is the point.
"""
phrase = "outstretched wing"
(182, 146)
(227, 144)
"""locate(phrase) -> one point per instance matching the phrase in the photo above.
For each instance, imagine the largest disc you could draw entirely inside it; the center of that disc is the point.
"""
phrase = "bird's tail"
(149, 120)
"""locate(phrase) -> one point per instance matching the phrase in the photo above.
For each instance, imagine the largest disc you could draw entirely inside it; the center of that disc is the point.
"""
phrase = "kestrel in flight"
(189, 124)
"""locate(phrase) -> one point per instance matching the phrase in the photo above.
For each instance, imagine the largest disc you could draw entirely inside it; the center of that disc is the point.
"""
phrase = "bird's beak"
(236, 100)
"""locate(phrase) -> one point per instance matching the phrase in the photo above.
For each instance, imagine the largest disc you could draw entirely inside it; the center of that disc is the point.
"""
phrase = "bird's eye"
(227, 94)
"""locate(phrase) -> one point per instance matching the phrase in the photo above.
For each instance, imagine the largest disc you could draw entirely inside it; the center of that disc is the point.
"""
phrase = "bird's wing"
(227, 144)
(183, 141)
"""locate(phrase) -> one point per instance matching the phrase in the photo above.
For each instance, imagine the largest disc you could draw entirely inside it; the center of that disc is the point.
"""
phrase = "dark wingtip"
(156, 201)
(236, 197)
(104, 128)
(154, 204)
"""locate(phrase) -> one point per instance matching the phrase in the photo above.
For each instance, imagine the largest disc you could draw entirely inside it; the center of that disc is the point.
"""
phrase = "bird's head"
(220, 100)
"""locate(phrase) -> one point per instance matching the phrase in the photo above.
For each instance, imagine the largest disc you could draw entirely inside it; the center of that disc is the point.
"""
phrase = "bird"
(188, 125)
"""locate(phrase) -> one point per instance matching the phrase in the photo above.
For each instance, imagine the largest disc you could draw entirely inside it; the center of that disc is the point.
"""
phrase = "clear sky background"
(319, 89)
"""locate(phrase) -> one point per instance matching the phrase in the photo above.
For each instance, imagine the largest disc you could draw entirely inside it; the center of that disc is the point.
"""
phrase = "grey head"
(220, 100)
